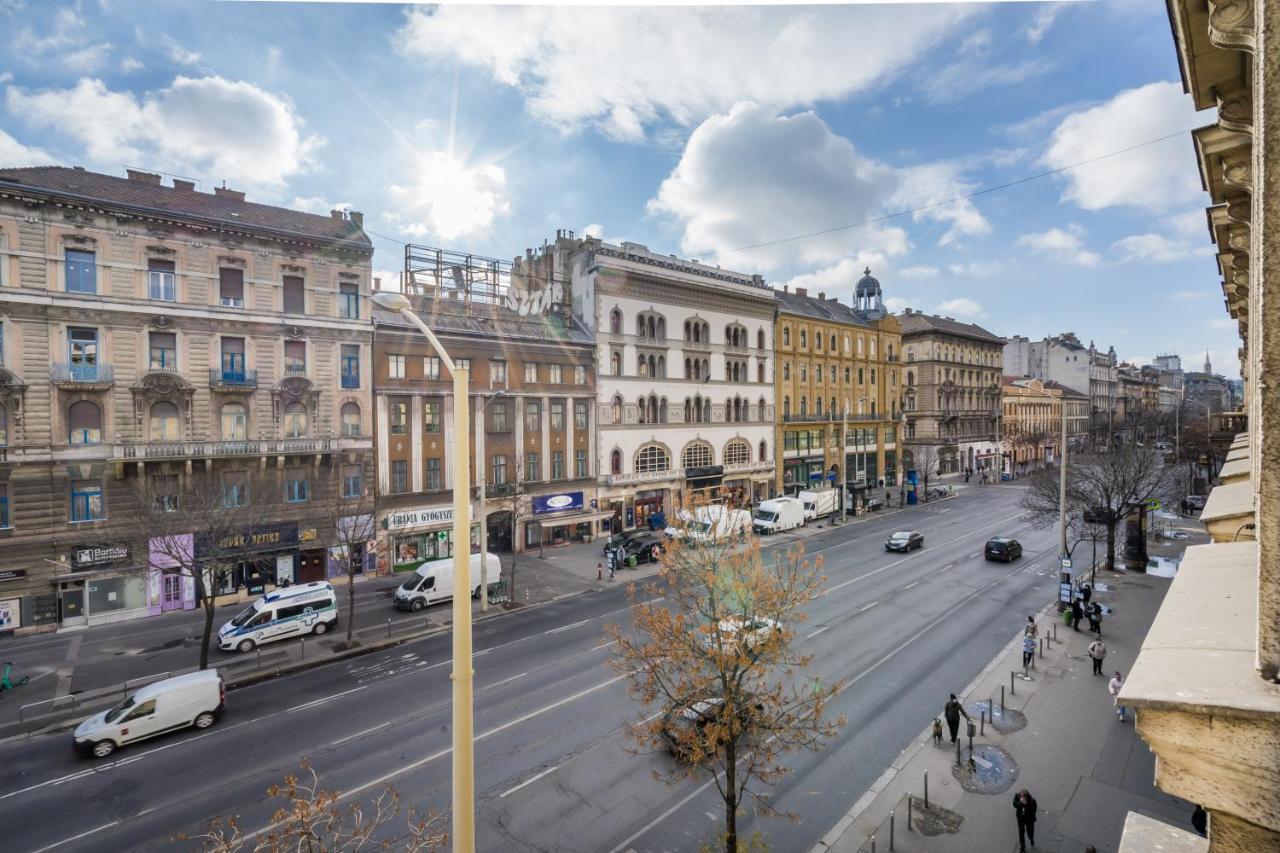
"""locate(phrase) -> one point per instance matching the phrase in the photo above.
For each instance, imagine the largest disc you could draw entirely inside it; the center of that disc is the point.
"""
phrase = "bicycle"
(7, 683)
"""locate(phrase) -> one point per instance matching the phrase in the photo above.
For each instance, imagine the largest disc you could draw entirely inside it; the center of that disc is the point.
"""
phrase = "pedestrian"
(1028, 650)
(599, 571)
(1200, 821)
(613, 565)
(1024, 809)
(1086, 590)
(966, 476)
(1077, 613)
(1030, 628)
(1114, 686)
(953, 711)
(1098, 652)
(1095, 618)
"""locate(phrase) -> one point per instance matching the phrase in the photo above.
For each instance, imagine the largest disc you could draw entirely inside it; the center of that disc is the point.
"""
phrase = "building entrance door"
(71, 610)
(311, 566)
(170, 592)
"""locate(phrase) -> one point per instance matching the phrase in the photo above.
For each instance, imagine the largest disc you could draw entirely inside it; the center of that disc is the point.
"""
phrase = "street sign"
(1066, 563)
(1064, 592)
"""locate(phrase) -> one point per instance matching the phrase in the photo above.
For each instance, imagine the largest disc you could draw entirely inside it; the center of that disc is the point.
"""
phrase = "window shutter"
(230, 283)
(294, 295)
(156, 265)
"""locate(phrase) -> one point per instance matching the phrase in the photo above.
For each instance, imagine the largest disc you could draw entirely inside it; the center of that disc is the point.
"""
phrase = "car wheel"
(320, 628)
(245, 646)
(103, 748)
(204, 720)
(417, 605)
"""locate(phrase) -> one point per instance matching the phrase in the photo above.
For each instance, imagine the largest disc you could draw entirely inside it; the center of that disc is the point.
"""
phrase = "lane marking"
(603, 645)
(568, 627)
(528, 781)
(314, 702)
(908, 586)
(817, 632)
(864, 608)
(504, 681)
(368, 731)
(58, 844)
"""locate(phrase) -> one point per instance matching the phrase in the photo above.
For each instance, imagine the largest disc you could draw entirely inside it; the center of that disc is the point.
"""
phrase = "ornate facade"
(1030, 424)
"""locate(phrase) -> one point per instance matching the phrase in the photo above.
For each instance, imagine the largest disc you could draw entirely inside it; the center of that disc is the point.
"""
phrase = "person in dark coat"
(1095, 617)
(1024, 809)
(953, 711)
(1077, 613)
(1086, 590)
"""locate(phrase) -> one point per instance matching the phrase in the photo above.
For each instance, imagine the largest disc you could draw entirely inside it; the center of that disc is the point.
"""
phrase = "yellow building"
(837, 389)
(1030, 424)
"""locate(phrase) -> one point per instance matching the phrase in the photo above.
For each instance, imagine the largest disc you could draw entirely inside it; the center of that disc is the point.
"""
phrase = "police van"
(309, 608)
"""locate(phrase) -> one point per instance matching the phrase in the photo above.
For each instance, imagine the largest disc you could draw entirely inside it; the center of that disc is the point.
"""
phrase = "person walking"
(1030, 629)
(1086, 590)
(1098, 653)
(1095, 618)
(1028, 650)
(1024, 809)
(1114, 686)
(953, 711)
(1077, 613)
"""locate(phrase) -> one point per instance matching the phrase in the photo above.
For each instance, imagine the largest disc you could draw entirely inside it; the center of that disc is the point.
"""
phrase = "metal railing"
(207, 449)
(223, 378)
(350, 380)
(720, 413)
(77, 372)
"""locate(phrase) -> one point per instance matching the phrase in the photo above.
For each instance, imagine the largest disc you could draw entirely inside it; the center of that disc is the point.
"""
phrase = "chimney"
(802, 291)
(357, 217)
(822, 297)
(188, 186)
(228, 193)
(377, 283)
(143, 177)
(786, 288)
(333, 214)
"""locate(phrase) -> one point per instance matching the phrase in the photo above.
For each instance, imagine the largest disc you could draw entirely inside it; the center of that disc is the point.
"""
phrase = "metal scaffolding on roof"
(446, 274)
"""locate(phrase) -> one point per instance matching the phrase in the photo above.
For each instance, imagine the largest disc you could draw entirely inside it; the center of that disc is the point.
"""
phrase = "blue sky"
(696, 131)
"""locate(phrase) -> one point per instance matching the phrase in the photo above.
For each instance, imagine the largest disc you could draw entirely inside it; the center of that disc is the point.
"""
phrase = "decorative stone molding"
(348, 276)
(1231, 25)
(12, 395)
(1238, 208)
(296, 332)
(78, 218)
(1237, 168)
(295, 389)
(162, 232)
(231, 261)
(79, 240)
(162, 321)
(293, 268)
(1235, 110)
(160, 250)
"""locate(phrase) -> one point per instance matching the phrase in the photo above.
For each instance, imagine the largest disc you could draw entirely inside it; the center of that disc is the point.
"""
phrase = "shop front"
(103, 586)
(803, 474)
(647, 503)
(703, 484)
(422, 534)
(562, 518)
(261, 557)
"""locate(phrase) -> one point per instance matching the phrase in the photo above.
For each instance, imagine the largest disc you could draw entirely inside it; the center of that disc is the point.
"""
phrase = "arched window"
(760, 409)
(833, 410)
(295, 421)
(804, 406)
(350, 419)
(804, 371)
(786, 336)
(652, 457)
(642, 367)
(911, 378)
(786, 371)
(833, 343)
(786, 407)
(662, 411)
(653, 366)
(818, 404)
(760, 372)
(640, 326)
(737, 452)
(760, 339)
(662, 367)
(4, 426)
(696, 454)
(615, 461)
(84, 423)
(234, 422)
(642, 411)
(688, 410)
(706, 411)
(653, 410)
(804, 338)
(164, 421)
(615, 363)
(651, 323)
(616, 412)
(764, 451)
(615, 321)
(662, 328)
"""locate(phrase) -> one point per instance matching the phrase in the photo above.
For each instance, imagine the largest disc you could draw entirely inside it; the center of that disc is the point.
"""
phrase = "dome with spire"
(867, 297)
(867, 285)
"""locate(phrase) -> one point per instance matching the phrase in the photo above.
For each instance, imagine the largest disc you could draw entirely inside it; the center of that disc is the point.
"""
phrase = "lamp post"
(484, 516)
(463, 743)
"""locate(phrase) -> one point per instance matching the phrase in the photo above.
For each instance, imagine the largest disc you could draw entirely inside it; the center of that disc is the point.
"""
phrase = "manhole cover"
(935, 820)
(1003, 721)
(991, 771)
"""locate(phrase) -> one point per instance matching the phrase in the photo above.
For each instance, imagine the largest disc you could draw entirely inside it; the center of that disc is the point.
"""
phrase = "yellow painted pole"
(464, 832)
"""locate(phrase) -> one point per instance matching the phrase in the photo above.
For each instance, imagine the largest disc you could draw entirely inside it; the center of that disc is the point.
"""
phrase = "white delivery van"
(777, 515)
(433, 581)
(192, 700)
(309, 608)
(713, 523)
(819, 504)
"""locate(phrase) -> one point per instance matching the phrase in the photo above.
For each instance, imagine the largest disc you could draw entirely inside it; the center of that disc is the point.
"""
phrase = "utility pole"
(1062, 492)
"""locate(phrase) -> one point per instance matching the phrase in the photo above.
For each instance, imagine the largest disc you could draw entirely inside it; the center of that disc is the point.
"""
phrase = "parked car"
(1004, 549)
(193, 700)
(617, 540)
(904, 540)
(683, 724)
(1193, 503)
(644, 548)
(748, 631)
(309, 608)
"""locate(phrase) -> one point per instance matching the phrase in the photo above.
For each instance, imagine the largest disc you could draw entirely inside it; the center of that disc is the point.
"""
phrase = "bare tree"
(1025, 437)
(927, 460)
(718, 659)
(1102, 488)
(347, 509)
(512, 497)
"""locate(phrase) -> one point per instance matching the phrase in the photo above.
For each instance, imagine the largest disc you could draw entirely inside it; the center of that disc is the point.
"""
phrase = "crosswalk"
(387, 668)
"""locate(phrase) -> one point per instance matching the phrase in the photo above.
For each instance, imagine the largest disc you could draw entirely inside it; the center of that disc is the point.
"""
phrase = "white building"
(1063, 359)
(684, 373)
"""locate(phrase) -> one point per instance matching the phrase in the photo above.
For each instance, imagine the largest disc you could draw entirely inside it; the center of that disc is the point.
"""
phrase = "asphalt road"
(554, 769)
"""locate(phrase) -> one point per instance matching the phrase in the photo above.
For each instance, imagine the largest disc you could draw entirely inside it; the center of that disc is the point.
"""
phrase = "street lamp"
(463, 744)
(484, 517)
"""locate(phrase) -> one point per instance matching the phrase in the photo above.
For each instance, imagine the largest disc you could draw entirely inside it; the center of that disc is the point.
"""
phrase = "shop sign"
(402, 519)
(85, 557)
(704, 471)
(566, 502)
(12, 574)
(10, 614)
(266, 538)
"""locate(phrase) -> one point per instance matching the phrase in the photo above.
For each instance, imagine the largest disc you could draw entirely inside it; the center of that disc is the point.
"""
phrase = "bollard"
(891, 833)
(1055, 632)
(991, 709)
(958, 761)
(388, 626)
(1013, 691)
(926, 789)
(873, 844)
(1002, 699)
(258, 649)
(1042, 648)
(909, 829)
(982, 722)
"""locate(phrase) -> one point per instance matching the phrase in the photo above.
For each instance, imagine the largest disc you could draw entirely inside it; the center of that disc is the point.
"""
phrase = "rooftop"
(918, 322)
(487, 320)
(818, 308)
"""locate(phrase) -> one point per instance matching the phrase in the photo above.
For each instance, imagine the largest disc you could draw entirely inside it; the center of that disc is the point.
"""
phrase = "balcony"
(808, 418)
(223, 379)
(295, 368)
(893, 359)
(747, 467)
(350, 380)
(156, 450)
(645, 477)
(631, 415)
(80, 376)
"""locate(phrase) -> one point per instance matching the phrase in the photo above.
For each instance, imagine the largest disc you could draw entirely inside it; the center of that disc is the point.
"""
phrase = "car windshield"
(766, 516)
(120, 710)
(901, 536)
(699, 526)
(243, 616)
(411, 584)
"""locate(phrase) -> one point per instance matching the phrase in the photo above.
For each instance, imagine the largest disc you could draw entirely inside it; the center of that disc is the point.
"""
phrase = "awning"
(571, 518)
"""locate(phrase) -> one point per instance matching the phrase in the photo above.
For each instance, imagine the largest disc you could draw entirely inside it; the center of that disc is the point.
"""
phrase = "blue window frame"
(4, 507)
(349, 300)
(233, 367)
(86, 502)
(82, 272)
(350, 367)
(352, 484)
(234, 494)
(296, 490)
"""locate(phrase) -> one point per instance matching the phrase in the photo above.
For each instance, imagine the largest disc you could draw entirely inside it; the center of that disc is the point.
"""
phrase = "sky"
(716, 133)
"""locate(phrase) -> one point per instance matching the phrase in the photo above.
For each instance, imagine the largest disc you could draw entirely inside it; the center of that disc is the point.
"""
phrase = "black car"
(1193, 503)
(1000, 548)
(617, 540)
(904, 540)
(645, 549)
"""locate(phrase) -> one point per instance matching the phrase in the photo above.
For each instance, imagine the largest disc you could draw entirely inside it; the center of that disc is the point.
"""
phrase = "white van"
(433, 581)
(777, 515)
(309, 608)
(820, 503)
(712, 523)
(193, 700)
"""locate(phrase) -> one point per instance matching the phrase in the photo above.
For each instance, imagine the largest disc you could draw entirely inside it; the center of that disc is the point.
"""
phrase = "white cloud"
(896, 304)
(129, 65)
(1155, 177)
(1191, 224)
(1043, 19)
(1224, 324)
(14, 153)
(447, 199)
(66, 44)
(932, 183)
(231, 129)
(1155, 248)
(975, 72)
(316, 204)
(1062, 245)
(976, 268)
(961, 307)
(920, 271)
(388, 279)
(624, 69)
(838, 280)
(1193, 295)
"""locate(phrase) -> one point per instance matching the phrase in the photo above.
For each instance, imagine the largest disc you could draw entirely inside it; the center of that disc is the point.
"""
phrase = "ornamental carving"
(162, 322)
(1237, 169)
(1231, 25)
(160, 250)
(79, 240)
(231, 261)
(1238, 238)
(295, 389)
(12, 394)
(78, 218)
(296, 332)
(293, 268)
(1238, 208)
(158, 385)
(348, 276)
(1235, 110)
(162, 232)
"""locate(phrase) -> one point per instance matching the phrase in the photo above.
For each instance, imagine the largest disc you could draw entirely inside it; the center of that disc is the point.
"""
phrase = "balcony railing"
(295, 369)
(78, 373)
(631, 414)
(350, 380)
(212, 449)
(747, 467)
(223, 378)
(645, 477)
(893, 359)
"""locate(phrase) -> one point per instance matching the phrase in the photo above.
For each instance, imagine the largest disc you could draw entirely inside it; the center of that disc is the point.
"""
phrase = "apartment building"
(1064, 359)
(151, 330)
(1030, 425)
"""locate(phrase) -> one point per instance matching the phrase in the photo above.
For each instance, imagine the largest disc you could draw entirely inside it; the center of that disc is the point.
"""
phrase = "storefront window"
(413, 549)
(121, 593)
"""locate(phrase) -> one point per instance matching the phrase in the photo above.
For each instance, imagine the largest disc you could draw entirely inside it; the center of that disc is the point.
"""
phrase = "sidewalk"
(1086, 769)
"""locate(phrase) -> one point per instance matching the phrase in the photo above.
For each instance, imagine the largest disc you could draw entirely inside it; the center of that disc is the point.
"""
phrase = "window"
(500, 470)
(579, 374)
(164, 421)
(431, 416)
(861, 376)
(497, 372)
(399, 476)
(294, 295)
(555, 374)
(4, 426)
(82, 352)
(350, 365)
(233, 360)
(82, 271)
(230, 287)
(433, 475)
(737, 452)
(580, 415)
(615, 321)
(696, 455)
(652, 458)
(84, 423)
(349, 300)
(760, 372)
(557, 414)
(817, 341)
(296, 487)
(235, 489)
(398, 415)
(532, 416)
(163, 351)
(615, 461)
(760, 339)
(430, 367)
(580, 463)
(833, 374)
(295, 358)
(531, 367)
(160, 280)
(557, 464)
(4, 506)
(532, 467)
(462, 364)
(764, 451)
(86, 501)
(395, 367)
(350, 419)
(295, 421)
(786, 371)
(873, 376)
(804, 372)
(786, 336)
(234, 422)
(804, 338)
(498, 416)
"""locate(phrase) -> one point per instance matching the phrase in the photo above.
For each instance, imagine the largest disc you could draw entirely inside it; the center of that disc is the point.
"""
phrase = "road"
(554, 769)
